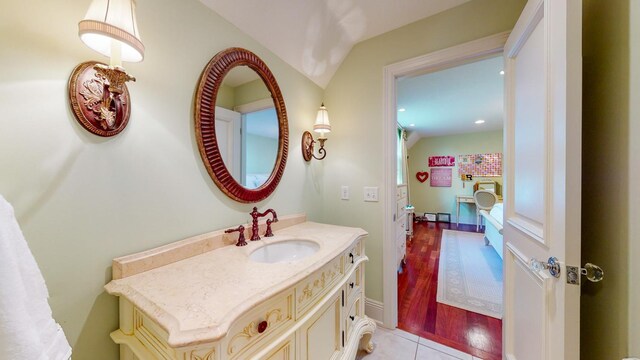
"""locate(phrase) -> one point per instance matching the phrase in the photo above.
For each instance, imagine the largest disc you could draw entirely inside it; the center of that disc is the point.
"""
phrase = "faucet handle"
(269, 233)
(241, 239)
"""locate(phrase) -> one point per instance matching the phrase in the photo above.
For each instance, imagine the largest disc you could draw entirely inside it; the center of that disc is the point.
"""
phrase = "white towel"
(27, 328)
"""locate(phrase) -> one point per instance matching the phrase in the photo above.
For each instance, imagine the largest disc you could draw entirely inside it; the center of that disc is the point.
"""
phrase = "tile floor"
(400, 345)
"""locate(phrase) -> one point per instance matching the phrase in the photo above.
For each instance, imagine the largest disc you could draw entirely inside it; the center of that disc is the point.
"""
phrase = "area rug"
(469, 274)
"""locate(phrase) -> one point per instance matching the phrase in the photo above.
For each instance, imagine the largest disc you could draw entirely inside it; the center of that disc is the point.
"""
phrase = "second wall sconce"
(98, 93)
(322, 126)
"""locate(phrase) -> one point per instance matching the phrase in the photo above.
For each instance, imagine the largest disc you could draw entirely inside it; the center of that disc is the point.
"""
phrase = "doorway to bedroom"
(450, 139)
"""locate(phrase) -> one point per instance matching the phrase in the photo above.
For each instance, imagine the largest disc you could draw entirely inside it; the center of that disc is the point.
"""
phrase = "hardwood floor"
(420, 314)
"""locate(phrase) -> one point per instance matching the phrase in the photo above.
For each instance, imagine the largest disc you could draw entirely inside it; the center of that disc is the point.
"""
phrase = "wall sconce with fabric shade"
(321, 126)
(99, 96)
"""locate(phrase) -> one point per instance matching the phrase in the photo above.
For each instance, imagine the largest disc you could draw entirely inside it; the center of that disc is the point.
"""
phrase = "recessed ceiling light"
(480, 121)
(501, 72)
(401, 109)
(412, 125)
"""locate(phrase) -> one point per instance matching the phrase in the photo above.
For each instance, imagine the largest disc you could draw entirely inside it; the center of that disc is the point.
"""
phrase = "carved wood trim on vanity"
(318, 283)
(193, 355)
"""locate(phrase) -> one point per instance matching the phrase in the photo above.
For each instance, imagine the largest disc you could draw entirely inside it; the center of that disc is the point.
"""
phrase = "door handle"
(594, 273)
(553, 265)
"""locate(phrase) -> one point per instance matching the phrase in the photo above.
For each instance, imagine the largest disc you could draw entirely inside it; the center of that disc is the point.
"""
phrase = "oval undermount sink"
(288, 250)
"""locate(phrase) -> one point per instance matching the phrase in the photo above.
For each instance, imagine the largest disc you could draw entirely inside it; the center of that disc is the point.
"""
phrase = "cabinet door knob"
(351, 257)
(262, 326)
(352, 318)
(351, 285)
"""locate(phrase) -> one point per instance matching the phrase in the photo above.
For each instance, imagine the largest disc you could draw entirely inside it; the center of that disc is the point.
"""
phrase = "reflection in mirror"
(247, 127)
(259, 146)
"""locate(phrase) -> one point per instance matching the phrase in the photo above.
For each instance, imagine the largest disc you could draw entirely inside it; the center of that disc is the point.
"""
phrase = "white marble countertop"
(197, 299)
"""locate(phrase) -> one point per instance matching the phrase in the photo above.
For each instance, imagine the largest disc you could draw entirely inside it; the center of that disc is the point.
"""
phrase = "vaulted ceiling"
(314, 36)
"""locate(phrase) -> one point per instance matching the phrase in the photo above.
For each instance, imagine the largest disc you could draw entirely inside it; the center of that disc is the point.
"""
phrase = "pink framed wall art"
(441, 177)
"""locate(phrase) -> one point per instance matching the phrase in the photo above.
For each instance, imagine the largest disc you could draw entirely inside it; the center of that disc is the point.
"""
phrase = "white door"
(228, 132)
(543, 59)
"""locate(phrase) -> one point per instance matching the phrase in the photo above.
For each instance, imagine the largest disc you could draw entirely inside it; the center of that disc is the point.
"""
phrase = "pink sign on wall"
(435, 161)
(441, 177)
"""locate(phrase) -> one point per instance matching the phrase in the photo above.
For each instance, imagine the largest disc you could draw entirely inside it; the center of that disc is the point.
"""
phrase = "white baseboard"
(373, 309)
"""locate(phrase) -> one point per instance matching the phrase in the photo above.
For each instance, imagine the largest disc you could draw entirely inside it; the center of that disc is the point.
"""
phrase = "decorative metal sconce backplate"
(86, 94)
(308, 147)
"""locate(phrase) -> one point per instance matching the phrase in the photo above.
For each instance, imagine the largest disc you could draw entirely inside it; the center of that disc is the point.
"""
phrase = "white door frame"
(438, 60)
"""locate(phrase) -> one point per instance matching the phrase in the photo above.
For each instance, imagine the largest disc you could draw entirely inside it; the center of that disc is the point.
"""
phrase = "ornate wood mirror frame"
(205, 106)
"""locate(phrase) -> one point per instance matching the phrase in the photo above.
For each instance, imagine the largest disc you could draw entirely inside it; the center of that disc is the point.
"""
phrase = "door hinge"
(342, 338)
(594, 273)
(342, 298)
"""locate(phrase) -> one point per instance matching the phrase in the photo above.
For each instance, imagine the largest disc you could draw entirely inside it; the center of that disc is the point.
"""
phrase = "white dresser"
(401, 225)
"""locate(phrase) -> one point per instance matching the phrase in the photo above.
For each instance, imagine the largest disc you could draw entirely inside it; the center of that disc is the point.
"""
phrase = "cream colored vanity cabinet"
(317, 315)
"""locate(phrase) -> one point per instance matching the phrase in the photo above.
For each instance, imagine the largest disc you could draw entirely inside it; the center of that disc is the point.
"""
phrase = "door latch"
(594, 273)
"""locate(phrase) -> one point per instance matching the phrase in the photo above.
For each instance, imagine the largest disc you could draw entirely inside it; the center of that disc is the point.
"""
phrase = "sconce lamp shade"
(322, 124)
(114, 21)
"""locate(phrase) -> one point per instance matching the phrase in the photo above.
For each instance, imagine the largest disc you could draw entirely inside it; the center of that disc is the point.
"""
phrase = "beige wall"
(354, 100)
(609, 314)
(82, 200)
(442, 199)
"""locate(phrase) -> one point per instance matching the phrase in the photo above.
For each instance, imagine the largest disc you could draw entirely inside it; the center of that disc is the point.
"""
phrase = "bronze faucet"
(241, 239)
(254, 223)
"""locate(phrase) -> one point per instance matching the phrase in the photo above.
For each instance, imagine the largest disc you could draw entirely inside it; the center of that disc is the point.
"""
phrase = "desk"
(466, 199)
(462, 199)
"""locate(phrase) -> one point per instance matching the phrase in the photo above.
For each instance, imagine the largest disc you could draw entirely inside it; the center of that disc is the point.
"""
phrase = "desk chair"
(484, 200)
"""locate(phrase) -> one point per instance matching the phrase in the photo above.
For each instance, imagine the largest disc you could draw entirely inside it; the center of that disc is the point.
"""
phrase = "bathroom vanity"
(204, 299)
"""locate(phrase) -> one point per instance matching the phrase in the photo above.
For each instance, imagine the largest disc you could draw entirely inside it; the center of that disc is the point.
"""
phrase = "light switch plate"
(344, 193)
(371, 193)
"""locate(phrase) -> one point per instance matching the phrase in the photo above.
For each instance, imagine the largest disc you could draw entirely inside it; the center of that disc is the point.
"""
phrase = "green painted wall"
(250, 92)
(82, 200)
(442, 199)
(354, 100)
(230, 97)
(610, 310)
(226, 97)
(634, 173)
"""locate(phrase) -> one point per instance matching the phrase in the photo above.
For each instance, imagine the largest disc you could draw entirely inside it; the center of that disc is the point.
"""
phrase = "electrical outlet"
(344, 194)
(370, 193)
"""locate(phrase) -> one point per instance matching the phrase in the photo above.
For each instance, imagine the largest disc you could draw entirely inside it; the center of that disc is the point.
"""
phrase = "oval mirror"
(241, 125)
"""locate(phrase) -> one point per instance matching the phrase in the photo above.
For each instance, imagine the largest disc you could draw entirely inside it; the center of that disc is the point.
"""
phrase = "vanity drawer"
(352, 315)
(354, 282)
(352, 254)
(285, 350)
(152, 336)
(259, 326)
(311, 289)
